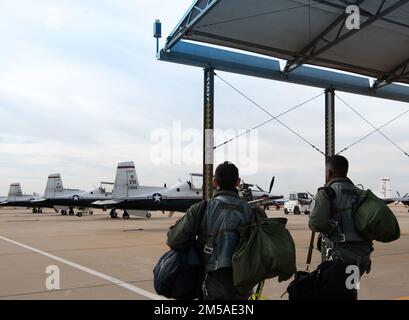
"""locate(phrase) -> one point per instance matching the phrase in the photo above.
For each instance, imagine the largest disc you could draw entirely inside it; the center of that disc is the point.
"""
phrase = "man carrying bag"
(349, 219)
(217, 237)
(240, 247)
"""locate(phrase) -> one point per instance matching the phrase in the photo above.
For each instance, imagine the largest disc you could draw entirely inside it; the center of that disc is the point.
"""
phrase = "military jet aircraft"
(253, 192)
(16, 198)
(138, 200)
(66, 200)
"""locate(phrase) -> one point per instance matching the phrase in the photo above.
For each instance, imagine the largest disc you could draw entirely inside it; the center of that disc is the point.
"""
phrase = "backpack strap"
(198, 222)
(330, 192)
(215, 228)
(336, 235)
(213, 231)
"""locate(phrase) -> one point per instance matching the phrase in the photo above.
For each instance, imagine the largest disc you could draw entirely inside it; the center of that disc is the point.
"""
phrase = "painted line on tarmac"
(118, 282)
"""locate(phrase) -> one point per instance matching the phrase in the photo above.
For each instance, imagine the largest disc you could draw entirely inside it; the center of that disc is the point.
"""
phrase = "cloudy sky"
(81, 90)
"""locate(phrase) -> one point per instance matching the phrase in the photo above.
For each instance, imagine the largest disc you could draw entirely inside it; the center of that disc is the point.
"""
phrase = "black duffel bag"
(179, 273)
(328, 282)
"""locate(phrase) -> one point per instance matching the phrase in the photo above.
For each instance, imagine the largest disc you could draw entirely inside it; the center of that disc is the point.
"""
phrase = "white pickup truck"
(298, 203)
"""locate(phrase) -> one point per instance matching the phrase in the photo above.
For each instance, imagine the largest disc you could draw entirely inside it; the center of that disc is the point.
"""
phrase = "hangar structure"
(320, 49)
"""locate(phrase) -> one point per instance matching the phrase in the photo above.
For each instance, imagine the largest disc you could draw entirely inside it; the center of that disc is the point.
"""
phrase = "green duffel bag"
(375, 220)
(266, 250)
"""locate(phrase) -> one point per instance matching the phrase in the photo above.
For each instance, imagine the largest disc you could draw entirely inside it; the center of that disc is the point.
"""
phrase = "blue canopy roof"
(310, 35)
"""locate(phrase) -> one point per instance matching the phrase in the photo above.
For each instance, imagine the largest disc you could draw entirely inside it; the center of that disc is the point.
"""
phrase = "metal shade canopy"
(308, 32)
(314, 39)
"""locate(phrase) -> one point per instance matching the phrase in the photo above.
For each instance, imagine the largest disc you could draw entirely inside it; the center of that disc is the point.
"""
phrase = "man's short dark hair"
(226, 175)
(339, 165)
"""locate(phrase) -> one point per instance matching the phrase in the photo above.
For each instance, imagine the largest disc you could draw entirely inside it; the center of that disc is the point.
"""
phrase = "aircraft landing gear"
(91, 212)
(79, 214)
(35, 210)
(125, 216)
(71, 212)
(63, 212)
(113, 214)
(148, 215)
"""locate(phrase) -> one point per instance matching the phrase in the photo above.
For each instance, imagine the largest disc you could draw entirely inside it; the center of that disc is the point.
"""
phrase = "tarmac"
(100, 258)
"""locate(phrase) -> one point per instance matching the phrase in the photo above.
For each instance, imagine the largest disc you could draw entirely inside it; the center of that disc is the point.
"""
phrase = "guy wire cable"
(370, 134)
(273, 118)
(366, 120)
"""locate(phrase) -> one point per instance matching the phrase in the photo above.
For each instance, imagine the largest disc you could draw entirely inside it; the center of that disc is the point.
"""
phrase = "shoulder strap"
(211, 237)
(330, 192)
(198, 222)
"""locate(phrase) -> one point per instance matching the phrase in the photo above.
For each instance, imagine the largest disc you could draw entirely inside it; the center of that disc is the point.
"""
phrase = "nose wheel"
(125, 215)
(148, 215)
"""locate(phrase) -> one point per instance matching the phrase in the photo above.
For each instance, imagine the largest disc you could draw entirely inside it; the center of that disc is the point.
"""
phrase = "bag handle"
(310, 251)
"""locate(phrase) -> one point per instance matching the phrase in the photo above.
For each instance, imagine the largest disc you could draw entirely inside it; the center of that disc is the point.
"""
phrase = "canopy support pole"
(329, 123)
(329, 149)
(208, 134)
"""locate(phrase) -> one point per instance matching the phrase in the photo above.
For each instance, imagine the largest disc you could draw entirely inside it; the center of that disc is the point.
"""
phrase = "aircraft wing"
(107, 203)
(264, 201)
(38, 202)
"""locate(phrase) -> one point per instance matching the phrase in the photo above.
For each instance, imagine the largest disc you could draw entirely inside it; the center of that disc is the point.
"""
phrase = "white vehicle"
(298, 203)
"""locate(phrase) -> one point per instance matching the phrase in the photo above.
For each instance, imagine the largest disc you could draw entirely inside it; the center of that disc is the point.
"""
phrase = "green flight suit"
(218, 284)
(355, 249)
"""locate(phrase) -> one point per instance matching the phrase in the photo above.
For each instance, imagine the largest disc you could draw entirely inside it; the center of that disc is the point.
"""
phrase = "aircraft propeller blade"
(271, 184)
